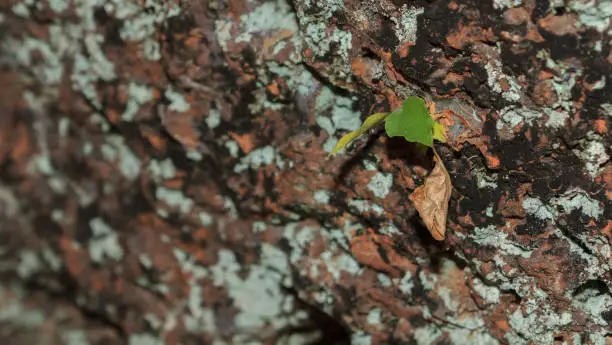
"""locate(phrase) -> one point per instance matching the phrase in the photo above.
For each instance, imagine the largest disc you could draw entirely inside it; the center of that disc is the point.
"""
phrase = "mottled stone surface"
(165, 177)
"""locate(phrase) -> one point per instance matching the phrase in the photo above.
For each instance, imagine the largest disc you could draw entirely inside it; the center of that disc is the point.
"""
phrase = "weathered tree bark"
(165, 177)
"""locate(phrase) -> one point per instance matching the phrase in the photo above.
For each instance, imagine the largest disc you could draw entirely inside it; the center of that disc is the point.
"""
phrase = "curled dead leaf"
(431, 199)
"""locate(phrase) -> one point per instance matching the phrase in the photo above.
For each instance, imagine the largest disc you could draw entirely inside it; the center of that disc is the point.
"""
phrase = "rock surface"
(165, 177)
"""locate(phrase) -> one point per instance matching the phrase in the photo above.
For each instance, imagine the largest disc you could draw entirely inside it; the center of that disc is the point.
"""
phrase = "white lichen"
(13, 311)
(556, 119)
(29, 264)
(489, 293)
(380, 184)
(174, 199)
(365, 206)
(593, 153)
(258, 20)
(260, 157)
(104, 242)
(75, 337)
(322, 196)
(427, 335)
(213, 120)
(594, 303)
(496, 76)
(539, 323)
(578, 199)
(138, 95)
(406, 284)
(145, 339)
(384, 279)
(593, 14)
(361, 338)
(538, 209)
(428, 280)
(498, 238)
(375, 316)
(513, 116)
(406, 25)
(503, 4)
(177, 101)
(161, 170)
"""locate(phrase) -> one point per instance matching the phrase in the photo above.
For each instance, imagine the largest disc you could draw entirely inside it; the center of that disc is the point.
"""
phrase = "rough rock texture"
(164, 175)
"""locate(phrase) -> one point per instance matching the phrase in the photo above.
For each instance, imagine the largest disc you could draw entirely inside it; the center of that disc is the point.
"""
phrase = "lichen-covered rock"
(165, 177)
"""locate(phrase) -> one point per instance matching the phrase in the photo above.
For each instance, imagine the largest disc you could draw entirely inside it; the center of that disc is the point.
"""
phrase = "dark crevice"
(333, 332)
(596, 286)
(68, 294)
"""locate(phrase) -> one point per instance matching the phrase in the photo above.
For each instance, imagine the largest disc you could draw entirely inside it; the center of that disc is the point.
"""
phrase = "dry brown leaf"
(431, 199)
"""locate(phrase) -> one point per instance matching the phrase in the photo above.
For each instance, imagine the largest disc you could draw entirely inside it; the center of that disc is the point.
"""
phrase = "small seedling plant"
(414, 122)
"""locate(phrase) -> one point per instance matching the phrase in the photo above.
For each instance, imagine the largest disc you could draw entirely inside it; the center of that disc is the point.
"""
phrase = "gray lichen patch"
(140, 23)
(322, 39)
(593, 153)
(145, 339)
(363, 206)
(175, 199)
(568, 72)
(556, 119)
(492, 236)
(75, 337)
(161, 170)
(578, 199)
(336, 265)
(380, 184)
(361, 338)
(484, 180)
(514, 116)
(29, 264)
(594, 14)
(177, 101)
(490, 294)
(20, 53)
(258, 20)
(406, 24)
(375, 316)
(13, 310)
(138, 96)
(104, 243)
(467, 336)
(213, 120)
(495, 77)
(260, 157)
(325, 8)
(503, 4)
(536, 324)
(78, 41)
(115, 150)
(427, 335)
(607, 109)
(322, 196)
(335, 112)
(570, 200)
(404, 285)
(594, 303)
(257, 23)
(539, 209)
(259, 296)
(317, 38)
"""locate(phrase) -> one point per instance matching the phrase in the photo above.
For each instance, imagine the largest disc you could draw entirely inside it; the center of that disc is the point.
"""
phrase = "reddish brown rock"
(165, 177)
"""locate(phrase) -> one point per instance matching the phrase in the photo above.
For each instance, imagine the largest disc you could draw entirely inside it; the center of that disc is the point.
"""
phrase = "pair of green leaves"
(412, 121)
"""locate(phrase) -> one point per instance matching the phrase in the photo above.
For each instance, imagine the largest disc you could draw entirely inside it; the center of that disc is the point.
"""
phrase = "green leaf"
(412, 121)
(369, 122)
